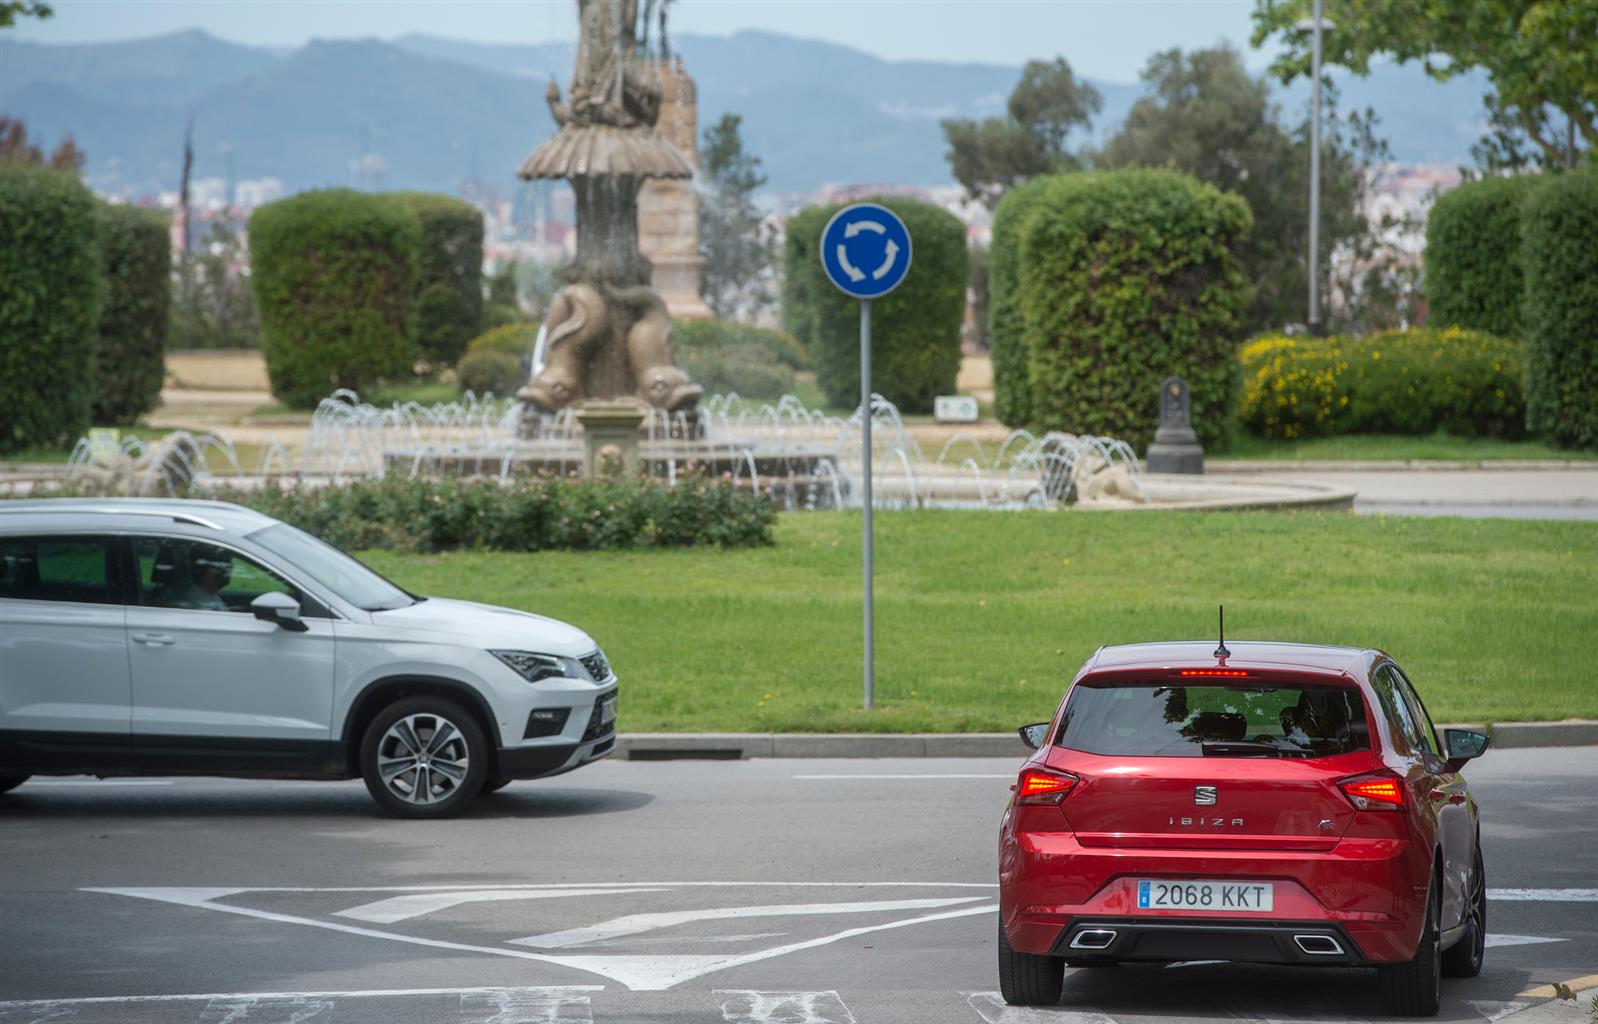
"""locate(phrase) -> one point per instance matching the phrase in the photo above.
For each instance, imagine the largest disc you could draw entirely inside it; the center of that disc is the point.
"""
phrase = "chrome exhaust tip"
(1093, 938)
(1319, 945)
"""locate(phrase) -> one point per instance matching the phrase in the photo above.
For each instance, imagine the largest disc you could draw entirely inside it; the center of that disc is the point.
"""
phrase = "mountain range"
(441, 110)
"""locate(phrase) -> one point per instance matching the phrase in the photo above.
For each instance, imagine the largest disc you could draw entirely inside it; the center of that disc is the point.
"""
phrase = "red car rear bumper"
(1370, 891)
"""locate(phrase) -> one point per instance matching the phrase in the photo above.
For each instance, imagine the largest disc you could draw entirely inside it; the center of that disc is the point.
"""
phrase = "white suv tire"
(424, 757)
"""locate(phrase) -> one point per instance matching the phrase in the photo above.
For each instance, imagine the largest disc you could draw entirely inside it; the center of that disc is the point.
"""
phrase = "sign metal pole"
(865, 487)
(865, 253)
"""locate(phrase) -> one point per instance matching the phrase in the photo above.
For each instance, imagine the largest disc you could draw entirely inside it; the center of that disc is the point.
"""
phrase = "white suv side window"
(179, 573)
(64, 568)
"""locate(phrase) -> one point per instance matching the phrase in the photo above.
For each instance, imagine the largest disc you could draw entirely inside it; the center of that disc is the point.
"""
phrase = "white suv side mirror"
(277, 607)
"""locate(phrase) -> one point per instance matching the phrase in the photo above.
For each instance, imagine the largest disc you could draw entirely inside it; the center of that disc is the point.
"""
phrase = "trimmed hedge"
(334, 273)
(1473, 261)
(485, 371)
(515, 340)
(1420, 381)
(722, 335)
(449, 283)
(748, 372)
(530, 514)
(725, 356)
(1012, 388)
(130, 359)
(1560, 256)
(51, 292)
(915, 330)
(1128, 277)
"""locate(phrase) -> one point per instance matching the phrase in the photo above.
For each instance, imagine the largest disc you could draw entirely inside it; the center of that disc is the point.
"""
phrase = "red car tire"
(1027, 979)
(1414, 988)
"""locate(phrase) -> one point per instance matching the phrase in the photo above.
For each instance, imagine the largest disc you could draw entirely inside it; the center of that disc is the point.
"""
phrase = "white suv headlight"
(533, 666)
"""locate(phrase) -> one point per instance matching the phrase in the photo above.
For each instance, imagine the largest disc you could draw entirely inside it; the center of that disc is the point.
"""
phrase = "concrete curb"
(642, 746)
(1250, 466)
(738, 746)
(1572, 733)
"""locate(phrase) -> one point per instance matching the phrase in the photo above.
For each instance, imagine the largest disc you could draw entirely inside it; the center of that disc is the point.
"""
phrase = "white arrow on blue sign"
(865, 250)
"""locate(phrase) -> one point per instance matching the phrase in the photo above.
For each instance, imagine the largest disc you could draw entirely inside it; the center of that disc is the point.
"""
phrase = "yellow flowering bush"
(1417, 381)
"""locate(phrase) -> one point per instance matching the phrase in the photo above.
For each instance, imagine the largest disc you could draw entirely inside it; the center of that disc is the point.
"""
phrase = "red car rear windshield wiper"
(1243, 748)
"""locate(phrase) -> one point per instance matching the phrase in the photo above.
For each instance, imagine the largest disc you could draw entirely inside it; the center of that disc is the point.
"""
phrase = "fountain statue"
(607, 332)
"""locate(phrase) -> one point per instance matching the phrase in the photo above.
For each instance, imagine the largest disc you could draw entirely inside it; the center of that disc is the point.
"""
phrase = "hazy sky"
(1105, 39)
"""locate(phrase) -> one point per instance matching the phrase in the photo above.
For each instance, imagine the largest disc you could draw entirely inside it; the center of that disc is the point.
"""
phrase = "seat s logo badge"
(1205, 822)
(1326, 825)
(1204, 796)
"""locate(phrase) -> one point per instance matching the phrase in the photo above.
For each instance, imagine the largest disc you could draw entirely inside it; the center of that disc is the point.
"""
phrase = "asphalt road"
(792, 891)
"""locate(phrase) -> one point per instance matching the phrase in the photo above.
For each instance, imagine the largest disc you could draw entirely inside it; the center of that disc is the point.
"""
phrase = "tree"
(16, 149)
(736, 246)
(14, 145)
(1206, 116)
(1541, 56)
(992, 156)
(211, 302)
(67, 156)
(11, 10)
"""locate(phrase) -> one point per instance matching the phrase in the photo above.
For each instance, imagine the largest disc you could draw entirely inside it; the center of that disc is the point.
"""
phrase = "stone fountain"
(607, 334)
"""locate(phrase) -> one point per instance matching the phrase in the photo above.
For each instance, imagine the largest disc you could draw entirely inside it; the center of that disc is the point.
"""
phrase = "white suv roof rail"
(181, 517)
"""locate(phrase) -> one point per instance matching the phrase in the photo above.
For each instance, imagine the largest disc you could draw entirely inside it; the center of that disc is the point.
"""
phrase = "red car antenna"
(1221, 652)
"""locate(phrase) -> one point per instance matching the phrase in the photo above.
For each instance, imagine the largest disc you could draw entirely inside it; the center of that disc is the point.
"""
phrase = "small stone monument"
(1176, 448)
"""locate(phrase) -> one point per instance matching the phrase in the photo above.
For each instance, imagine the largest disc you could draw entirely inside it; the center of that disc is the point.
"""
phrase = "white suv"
(163, 637)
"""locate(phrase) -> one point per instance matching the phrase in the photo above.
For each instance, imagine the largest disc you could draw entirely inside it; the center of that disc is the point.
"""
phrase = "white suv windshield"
(332, 568)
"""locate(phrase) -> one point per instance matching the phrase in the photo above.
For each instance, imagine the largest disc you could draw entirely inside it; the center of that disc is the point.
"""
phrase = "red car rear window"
(1268, 720)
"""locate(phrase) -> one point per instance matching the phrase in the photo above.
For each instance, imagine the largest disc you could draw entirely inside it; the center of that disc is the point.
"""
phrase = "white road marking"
(1010, 776)
(1493, 1010)
(265, 1010)
(642, 973)
(97, 782)
(208, 997)
(993, 1010)
(645, 973)
(636, 924)
(527, 1006)
(403, 908)
(1518, 940)
(674, 940)
(610, 885)
(750, 1007)
(1545, 895)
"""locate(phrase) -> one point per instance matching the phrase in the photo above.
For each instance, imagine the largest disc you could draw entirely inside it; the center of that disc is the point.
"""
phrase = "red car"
(1272, 803)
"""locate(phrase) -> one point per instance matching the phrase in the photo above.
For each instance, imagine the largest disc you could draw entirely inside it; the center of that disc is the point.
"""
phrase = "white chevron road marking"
(527, 1006)
(751, 1007)
(403, 908)
(641, 972)
(636, 924)
(991, 1007)
(266, 1010)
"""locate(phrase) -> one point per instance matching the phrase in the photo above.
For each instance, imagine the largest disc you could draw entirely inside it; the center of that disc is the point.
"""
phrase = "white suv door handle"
(155, 639)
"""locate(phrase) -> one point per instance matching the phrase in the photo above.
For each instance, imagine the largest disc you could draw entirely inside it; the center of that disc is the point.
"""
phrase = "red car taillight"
(1374, 792)
(1040, 787)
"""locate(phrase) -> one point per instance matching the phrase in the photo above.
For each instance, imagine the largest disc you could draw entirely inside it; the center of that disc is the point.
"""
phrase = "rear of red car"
(1185, 809)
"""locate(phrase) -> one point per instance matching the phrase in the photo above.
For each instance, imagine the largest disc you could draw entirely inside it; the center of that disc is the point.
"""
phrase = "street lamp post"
(1314, 26)
(1315, 177)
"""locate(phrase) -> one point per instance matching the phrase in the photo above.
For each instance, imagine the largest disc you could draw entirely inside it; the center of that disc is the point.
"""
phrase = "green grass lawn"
(982, 617)
(1390, 446)
(426, 392)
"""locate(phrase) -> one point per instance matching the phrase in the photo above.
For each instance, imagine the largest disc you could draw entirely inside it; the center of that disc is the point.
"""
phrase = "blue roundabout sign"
(865, 250)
